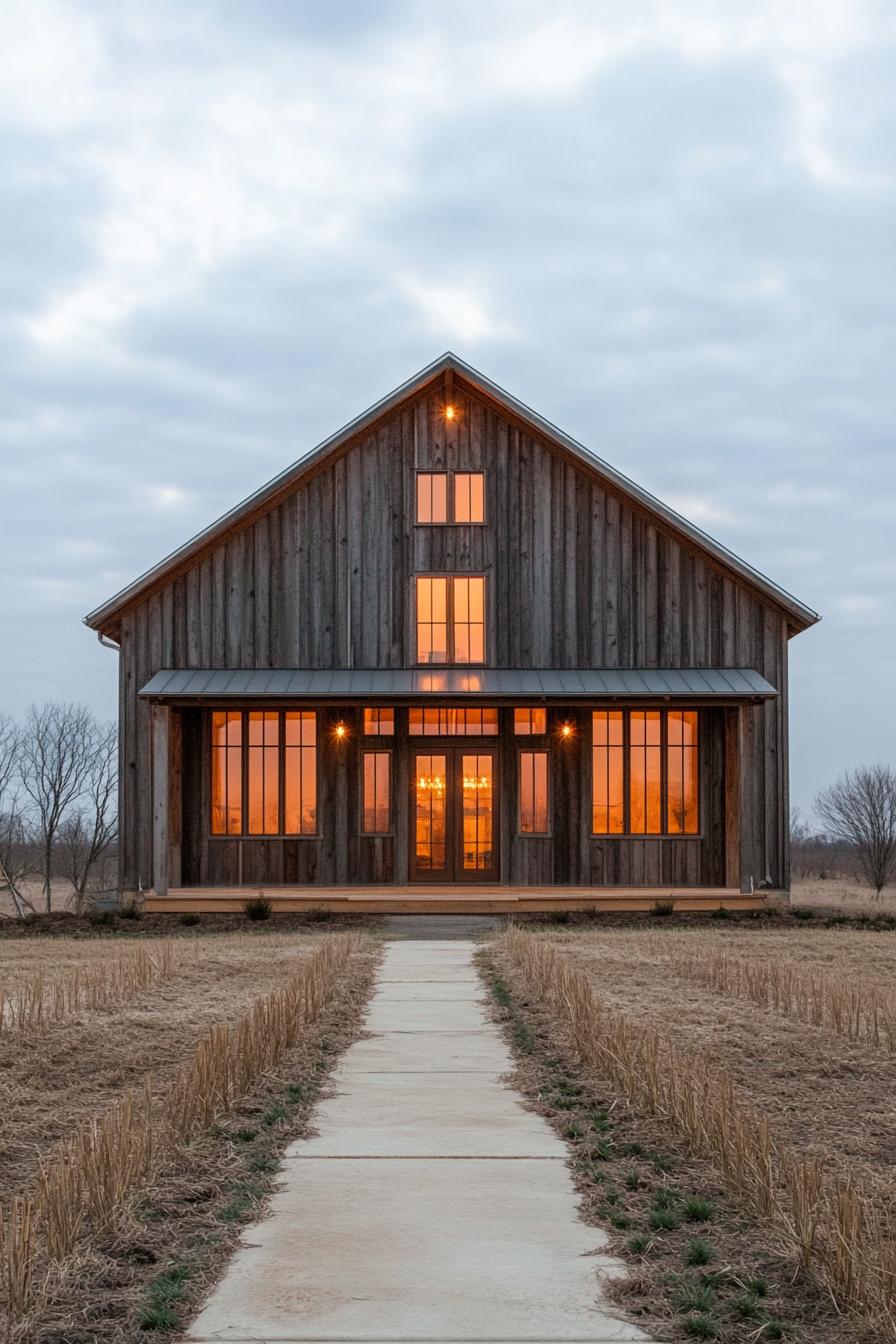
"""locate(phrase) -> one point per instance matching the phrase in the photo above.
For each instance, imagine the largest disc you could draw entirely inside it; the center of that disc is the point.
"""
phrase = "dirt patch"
(107, 924)
(699, 1266)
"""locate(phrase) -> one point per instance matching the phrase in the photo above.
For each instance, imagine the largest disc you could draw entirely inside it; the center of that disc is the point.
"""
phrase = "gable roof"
(104, 617)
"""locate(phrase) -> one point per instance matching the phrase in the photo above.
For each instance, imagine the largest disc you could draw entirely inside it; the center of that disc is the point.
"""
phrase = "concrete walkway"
(431, 1206)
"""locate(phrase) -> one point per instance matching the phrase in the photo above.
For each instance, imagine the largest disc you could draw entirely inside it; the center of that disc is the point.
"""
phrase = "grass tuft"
(697, 1252)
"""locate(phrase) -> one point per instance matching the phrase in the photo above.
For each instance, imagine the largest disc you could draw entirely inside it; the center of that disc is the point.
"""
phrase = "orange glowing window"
(682, 813)
(432, 497)
(432, 620)
(645, 772)
(227, 773)
(469, 620)
(263, 773)
(300, 772)
(527, 721)
(607, 771)
(452, 722)
(376, 811)
(450, 619)
(533, 793)
(469, 497)
(379, 722)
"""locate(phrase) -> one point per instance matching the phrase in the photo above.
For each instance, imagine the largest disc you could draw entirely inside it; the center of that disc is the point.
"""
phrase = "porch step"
(456, 900)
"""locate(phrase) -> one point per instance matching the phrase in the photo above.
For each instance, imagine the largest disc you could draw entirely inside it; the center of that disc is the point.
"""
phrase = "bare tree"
(16, 854)
(88, 832)
(58, 745)
(860, 809)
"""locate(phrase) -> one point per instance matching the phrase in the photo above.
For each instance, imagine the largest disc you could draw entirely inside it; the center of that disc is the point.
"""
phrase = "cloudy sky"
(228, 227)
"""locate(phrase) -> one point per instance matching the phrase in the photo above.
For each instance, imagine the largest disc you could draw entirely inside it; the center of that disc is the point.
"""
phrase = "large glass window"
(227, 773)
(533, 793)
(681, 771)
(451, 618)
(300, 773)
(376, 812)
(263, 775)
(645, 772)
(264, 772)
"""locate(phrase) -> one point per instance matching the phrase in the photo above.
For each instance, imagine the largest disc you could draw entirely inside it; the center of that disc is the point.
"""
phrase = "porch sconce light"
(340, 731)
(566, 730)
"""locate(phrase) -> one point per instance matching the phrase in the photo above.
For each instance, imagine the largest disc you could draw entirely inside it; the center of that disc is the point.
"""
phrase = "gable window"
(533, 793)
(450, 497)
(376, 810)
(432, 496)
(450, 611)
(264, 772)
(469, 497)
(644, 770)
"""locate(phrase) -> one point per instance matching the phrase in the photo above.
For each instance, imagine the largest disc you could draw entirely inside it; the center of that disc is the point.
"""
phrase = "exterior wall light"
(340, 731)
(566, 730)
(450, 412)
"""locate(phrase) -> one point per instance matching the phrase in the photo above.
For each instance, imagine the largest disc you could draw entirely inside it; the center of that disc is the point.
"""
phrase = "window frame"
(451, 659)
(526, 748)
(379, 730)
(280, 834)
(664, 834)
(451, 496)
(388, 752)
(530, 731)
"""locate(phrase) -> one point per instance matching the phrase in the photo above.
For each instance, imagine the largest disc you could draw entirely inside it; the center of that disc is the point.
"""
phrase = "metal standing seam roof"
(801, 613)
(341, 684)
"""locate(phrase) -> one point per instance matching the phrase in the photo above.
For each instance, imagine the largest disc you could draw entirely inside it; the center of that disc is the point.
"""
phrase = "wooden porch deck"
(456, 900)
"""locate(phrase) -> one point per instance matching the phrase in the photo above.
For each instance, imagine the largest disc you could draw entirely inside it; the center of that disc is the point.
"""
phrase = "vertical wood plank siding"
(577, 577)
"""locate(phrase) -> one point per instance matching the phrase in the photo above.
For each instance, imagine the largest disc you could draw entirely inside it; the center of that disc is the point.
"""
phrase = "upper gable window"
(469, 497)
(432, 496)
(450, 618)
(450, 497)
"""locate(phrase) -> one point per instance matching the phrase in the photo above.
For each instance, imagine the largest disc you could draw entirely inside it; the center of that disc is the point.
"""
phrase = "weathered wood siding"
(577, 577)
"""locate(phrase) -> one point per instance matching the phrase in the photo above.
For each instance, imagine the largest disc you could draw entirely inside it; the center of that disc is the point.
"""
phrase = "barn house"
(452, 659)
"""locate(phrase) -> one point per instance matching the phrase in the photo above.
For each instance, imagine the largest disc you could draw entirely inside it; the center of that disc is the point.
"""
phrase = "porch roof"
(491, 683)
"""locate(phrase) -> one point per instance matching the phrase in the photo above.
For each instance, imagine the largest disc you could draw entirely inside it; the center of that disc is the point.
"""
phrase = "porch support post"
(732, 797)
(166, 798)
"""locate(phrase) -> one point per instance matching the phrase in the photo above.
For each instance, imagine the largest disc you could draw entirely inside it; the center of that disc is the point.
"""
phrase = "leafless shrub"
(16, 850)
(56, 753)
(858, 1012)
(88, 832)
(860, 809)
(88, 1181)
(39, 1000)
(832, 1228)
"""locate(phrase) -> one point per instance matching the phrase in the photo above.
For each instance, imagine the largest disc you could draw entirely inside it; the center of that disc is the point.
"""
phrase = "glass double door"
(454, 815)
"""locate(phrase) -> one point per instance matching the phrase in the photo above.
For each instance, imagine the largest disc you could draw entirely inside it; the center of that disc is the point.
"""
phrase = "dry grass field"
(238, 1032)
(791, 1028)
(812, 1083)
(837, 895)
(57, 1076)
